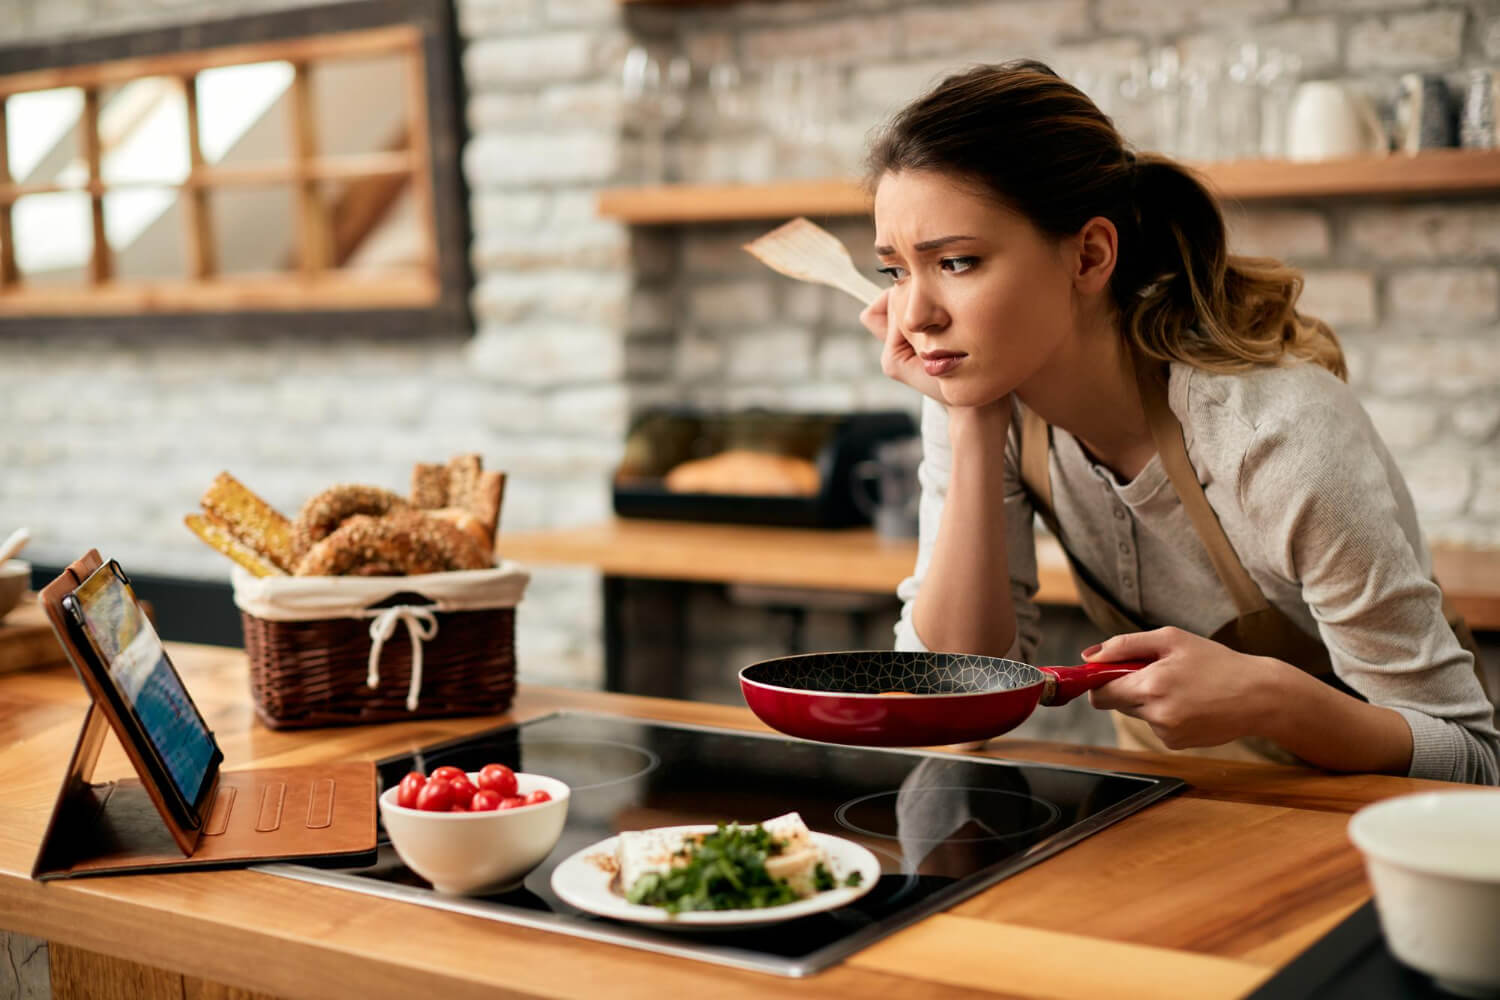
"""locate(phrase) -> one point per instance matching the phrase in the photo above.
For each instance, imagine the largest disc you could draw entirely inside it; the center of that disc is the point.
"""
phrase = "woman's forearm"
(1330, 729)
(964, 605)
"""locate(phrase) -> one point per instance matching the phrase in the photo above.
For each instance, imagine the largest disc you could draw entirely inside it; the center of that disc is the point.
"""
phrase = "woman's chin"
(961, 392)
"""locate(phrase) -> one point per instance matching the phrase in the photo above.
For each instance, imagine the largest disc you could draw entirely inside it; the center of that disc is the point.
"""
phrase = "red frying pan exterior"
(847, 697)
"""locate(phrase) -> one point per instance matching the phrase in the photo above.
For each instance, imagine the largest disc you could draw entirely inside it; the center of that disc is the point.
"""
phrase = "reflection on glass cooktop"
(943, 826)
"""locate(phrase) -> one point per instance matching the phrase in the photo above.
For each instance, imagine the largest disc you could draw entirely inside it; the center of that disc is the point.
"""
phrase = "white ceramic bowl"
(461, 852)
(1434, 860)
(15, 580)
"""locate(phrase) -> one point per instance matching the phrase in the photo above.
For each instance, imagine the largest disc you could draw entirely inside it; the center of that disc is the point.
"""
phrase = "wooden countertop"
(859, 560)
(853, 559)
(1203, 895)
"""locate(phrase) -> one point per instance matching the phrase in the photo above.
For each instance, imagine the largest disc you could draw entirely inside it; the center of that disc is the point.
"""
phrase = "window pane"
(145, 230)
(360, 105)
(143, 132)
(242, 113)
(42, 135)
(255, 228)
(54, 237)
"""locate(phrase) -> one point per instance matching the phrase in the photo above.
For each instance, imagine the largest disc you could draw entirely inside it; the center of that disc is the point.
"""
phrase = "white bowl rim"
(1371, 844)
(559, 791)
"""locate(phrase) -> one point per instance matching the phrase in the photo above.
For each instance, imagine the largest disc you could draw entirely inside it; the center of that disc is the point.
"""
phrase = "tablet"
(148, 695)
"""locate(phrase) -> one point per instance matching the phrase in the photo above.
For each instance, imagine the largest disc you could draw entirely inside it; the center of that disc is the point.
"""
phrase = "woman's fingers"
(876, 317)
(1151, 645)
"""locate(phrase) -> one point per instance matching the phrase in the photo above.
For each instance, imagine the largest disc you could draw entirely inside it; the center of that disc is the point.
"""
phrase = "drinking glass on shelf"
(1277, 79)
(1239, 105)
(1164, 79)
(654, 88)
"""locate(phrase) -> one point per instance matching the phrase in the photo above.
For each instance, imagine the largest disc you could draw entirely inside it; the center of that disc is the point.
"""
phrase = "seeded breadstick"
(251, 520)
(429, 485)
(463, 479)
(230, 546)
(487, 498)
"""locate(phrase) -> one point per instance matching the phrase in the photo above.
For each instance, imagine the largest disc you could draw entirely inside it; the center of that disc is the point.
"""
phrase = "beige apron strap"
(1035, 474)
(1166, 433)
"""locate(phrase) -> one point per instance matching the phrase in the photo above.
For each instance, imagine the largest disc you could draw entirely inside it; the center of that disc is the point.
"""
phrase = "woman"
(1090, 351)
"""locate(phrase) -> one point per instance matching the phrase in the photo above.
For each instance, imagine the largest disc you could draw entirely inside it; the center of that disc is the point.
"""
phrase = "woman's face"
(981, 294)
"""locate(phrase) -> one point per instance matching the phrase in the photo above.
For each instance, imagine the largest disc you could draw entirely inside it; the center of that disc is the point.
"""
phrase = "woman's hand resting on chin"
(898, 359)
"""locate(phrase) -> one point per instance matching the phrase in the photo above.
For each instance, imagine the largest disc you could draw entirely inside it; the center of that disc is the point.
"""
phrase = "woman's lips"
(937, 363)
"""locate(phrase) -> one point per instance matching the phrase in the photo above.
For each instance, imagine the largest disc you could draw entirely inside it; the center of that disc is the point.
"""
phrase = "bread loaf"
(751, 473)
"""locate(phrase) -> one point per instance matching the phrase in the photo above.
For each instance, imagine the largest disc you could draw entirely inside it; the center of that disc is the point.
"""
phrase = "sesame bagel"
(406, 542)
(326, 511)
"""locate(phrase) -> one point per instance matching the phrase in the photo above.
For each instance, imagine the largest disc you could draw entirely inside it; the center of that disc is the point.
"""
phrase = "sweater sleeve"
(1328, 499)
(1015, 519)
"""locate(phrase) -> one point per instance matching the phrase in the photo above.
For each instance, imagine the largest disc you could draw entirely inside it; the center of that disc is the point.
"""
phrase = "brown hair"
(1044, 149)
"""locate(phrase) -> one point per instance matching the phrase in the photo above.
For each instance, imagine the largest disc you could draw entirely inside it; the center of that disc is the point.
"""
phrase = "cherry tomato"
(512, 802)
(435, 796)
(485, 800)
(447, 772)
(463, 790)
(458, 807)
(498, 778)
(411, 785)
(540, 795)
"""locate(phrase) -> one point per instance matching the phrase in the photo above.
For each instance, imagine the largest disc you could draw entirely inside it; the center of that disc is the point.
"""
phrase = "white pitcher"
(1329, 120)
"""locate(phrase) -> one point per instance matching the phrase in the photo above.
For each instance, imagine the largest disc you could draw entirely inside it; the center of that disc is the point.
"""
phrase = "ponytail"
(1183, 297)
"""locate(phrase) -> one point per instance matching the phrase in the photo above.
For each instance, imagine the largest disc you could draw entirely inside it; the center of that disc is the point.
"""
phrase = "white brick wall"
(582, 320)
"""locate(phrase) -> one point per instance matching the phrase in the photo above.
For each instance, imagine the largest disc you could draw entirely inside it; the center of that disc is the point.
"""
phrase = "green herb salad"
(733, 868)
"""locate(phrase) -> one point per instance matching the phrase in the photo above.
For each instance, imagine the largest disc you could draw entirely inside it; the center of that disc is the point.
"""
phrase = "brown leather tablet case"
(321, 814)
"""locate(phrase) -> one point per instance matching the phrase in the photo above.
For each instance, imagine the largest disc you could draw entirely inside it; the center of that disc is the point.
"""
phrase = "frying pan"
(884, 698)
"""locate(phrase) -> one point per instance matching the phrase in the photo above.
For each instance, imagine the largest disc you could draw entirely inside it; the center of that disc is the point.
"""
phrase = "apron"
(1259, 628)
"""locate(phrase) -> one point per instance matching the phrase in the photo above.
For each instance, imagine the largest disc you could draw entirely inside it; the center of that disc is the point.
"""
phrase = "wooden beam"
(392, 163)
(9, 275)
(202, 252)
(405, 288)
(420, 147)
(101, 261)
(342, 45)
(312, 216)
(362, 206)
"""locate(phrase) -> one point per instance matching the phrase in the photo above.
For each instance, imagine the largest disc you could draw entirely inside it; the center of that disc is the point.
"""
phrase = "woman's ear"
(1098, 246)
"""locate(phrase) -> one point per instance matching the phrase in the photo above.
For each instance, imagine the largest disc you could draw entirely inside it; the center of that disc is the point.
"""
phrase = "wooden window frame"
(313, 300)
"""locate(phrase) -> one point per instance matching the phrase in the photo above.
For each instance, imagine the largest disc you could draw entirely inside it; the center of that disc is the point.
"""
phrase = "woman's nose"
(922, 312)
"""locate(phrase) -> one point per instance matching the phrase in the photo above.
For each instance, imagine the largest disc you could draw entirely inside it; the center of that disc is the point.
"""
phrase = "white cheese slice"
(641, 852)
(799, 859)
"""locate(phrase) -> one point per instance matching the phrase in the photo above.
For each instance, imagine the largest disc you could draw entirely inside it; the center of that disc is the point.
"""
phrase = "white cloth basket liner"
(311, 598)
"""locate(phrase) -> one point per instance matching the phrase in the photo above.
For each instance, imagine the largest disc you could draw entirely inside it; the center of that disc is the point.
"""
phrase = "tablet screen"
(138, 665)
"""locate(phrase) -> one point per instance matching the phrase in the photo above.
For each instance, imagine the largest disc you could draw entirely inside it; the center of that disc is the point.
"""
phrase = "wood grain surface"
(856, 559)
(1204, 895)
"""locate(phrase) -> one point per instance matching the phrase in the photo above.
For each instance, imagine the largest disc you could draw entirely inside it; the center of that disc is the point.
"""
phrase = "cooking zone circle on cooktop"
(972, 814)
(586, 764)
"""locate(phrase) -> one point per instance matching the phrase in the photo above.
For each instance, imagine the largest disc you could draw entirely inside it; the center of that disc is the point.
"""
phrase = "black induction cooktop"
(943, 826)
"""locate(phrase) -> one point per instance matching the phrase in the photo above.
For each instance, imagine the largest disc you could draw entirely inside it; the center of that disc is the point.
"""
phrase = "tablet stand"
(314, 814)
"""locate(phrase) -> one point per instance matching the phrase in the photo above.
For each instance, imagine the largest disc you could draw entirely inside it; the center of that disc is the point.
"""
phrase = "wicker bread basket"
(338, 651)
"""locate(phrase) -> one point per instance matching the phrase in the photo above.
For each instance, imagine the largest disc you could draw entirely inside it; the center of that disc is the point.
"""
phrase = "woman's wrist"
(985, 425)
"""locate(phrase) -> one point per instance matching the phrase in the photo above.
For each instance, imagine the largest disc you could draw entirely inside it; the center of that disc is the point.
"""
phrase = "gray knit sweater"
(1316, 510)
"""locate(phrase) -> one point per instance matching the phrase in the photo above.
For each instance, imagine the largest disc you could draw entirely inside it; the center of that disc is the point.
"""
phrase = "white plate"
(583, 882)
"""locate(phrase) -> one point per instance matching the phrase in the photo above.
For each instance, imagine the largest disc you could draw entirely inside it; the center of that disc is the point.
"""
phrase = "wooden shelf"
(858, 560)
(1435, 172)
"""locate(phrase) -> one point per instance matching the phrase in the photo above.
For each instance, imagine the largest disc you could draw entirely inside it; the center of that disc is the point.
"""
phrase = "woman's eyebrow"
(925, 245)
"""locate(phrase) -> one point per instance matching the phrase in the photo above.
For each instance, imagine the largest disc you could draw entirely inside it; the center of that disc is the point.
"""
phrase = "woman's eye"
(958, 265)
(893, 272)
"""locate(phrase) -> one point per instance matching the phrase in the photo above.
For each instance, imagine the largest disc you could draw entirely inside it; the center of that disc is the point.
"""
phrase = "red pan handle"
(1063, 684)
